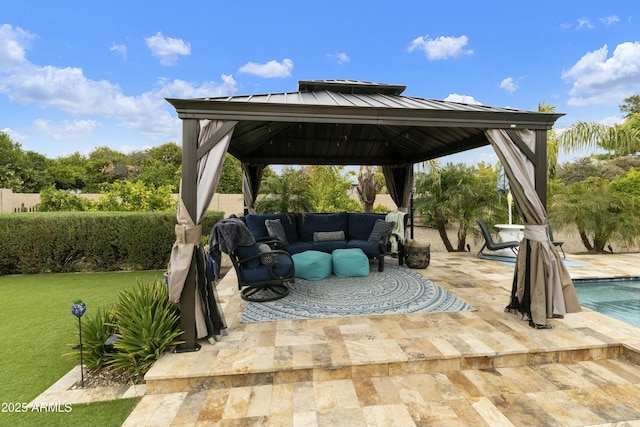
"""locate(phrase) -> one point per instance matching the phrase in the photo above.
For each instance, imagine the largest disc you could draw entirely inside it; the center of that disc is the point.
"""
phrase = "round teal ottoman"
(350, 263)
(312, 265)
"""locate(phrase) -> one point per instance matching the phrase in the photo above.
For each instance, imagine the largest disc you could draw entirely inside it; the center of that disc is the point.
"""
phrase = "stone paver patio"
(485, 367)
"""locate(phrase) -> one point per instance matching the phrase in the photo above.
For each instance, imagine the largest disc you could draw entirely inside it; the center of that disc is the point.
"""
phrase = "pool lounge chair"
(556, 243)
(495, 246)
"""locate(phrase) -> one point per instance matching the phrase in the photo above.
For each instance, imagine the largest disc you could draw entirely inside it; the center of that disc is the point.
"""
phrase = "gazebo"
(344, 122)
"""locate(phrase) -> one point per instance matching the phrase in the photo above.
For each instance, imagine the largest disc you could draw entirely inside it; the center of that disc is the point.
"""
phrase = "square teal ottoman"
(350, 263)
(312, 265)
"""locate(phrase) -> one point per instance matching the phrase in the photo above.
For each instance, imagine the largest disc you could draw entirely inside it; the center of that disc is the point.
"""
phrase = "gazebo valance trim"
(302, 113)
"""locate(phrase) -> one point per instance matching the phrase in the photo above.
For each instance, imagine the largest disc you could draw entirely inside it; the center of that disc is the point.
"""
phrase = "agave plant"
(147, 325)
(96, 329)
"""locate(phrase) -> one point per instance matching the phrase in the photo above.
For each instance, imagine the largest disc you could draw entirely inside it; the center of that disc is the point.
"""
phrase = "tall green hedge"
(88, 241)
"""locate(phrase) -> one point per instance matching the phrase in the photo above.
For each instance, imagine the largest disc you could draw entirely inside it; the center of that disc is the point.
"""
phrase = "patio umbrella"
(542, 286)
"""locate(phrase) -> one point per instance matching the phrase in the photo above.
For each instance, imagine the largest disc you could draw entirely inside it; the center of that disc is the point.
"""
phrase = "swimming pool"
(617, 298)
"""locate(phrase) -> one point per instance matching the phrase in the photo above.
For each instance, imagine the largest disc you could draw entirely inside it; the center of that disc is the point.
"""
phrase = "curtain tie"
(188, 234)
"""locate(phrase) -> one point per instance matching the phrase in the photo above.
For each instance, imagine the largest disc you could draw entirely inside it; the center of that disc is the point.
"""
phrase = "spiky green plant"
(95, 331)
(147, 325)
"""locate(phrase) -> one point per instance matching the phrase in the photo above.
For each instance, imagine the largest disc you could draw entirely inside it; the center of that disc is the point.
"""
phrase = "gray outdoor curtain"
(213, 139)
(399, 179)
(251, 180)
(542, 285)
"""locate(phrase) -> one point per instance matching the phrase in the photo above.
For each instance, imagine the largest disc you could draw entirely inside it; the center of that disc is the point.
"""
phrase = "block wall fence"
(227, 203)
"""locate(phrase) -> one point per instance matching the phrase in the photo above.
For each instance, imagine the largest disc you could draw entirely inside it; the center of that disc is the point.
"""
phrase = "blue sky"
(79, 75)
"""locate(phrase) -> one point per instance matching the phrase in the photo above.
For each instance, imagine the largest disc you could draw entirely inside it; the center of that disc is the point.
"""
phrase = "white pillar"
(6, 200)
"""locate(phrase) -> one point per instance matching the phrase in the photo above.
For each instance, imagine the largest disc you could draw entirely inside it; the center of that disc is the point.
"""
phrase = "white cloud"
(14, 135)
(442, 47)
(167, 49)
(585, 23)
(463, 99)
(272, 69)
(66, 130)
(509, 84)
(611, 120)
(597, 79)
(120, 49)
(610, 20)
(341, 57)
(127, 149)
(13, 44)
(69, 90)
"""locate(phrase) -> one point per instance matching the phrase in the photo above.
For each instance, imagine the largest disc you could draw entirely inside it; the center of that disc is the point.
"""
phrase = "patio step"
(208, 369)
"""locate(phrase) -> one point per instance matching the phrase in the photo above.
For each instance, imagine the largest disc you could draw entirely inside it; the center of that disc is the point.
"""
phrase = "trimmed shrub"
(46, 242)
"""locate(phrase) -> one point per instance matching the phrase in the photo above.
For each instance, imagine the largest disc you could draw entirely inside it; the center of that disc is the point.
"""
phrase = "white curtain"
(542, 282)
(188, 231)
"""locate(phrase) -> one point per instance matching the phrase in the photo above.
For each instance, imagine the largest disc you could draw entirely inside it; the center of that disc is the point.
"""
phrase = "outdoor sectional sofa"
(326, 232)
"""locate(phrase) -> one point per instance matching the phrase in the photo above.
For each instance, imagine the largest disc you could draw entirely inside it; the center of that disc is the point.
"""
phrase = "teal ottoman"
(312, 265)
(350, 263)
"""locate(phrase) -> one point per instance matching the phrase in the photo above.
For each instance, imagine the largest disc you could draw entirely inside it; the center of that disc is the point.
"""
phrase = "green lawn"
(37, 328)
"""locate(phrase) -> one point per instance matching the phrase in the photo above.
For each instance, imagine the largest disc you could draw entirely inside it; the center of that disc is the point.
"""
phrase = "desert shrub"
(146, 324)
(95, 331)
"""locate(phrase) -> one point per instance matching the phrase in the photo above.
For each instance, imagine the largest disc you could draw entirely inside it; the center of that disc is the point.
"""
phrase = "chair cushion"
(263, 272)
(245, 252)
(312, 265)
(350, 263)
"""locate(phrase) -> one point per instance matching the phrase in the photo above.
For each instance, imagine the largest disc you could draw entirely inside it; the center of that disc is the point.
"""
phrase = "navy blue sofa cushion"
(370, 248)
(361, 224)
(312, 222)
(330, 246)
(297, 247)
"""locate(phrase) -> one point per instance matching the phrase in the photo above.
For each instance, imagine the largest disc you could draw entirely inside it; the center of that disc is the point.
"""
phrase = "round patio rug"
(397, 290)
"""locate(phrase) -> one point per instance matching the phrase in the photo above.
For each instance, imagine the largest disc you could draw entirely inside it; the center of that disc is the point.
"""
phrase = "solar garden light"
(78, 310)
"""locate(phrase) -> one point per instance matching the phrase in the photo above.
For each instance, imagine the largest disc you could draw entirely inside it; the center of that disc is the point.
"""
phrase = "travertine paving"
(485, 367)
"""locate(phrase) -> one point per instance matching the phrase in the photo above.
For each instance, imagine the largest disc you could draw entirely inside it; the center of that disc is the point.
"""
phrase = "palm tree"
(367, 188)
(552, 141)
(601, 214)
(457, 194)
(619, 140)
(288, 192)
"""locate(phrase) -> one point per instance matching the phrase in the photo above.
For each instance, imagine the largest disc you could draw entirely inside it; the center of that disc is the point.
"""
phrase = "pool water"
(617, 298)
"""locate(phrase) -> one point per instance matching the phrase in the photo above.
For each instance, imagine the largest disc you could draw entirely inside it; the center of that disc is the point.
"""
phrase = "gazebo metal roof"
(346, 122)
